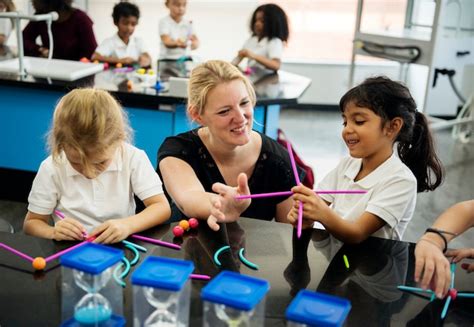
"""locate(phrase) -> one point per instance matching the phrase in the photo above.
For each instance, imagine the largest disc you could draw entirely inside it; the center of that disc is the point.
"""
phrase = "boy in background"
(124, 48)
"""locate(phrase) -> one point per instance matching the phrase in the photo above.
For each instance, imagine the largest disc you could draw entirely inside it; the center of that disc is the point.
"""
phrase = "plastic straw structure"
(60, 253)
(200, 277)
(16, 252)
(285, 193)
(413, 289)
(446, 306)
(297, 178)
(158, 242)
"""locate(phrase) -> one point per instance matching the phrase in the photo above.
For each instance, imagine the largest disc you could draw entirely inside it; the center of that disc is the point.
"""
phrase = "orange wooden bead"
(184, 224)
(39, 263)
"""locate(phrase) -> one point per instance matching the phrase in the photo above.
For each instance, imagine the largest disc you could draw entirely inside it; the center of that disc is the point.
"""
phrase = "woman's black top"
(272, 173)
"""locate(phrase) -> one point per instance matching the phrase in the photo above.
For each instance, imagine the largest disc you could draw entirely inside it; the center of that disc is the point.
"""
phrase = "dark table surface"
(314, 262)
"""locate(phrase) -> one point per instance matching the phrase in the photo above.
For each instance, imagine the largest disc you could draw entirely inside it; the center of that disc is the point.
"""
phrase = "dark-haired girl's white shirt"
(269, 48)
(391, 194)
(93, 201)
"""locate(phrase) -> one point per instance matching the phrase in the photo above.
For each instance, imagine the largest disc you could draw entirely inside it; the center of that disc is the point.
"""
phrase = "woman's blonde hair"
(210, 74)
(88, 121)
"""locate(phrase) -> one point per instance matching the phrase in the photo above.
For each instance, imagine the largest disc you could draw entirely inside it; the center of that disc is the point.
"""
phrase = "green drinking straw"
(346, 262)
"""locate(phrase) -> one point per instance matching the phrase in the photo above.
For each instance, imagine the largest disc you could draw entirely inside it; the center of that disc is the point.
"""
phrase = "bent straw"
(297, 178)
(284, 193)
(60, 253)
(16, 252)
(158, 242)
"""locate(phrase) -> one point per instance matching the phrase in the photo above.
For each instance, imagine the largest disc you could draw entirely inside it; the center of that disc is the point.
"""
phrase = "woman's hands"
(224, 207)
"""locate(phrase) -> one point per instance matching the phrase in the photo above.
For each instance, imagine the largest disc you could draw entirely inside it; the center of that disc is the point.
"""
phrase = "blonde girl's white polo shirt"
(93, 201)
(115, 47)
(391, 194)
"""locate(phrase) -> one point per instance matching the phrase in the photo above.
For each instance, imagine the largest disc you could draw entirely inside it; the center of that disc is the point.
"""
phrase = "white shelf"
(439, 45)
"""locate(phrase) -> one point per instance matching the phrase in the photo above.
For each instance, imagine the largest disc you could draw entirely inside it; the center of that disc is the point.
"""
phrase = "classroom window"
(322, 30)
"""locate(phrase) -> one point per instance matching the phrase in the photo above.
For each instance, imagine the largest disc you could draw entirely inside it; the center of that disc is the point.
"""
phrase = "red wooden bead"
(178, 231)
(193, 222)
(453, 293)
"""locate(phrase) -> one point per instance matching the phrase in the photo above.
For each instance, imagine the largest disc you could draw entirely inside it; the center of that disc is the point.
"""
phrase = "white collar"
(120, 41)
(375, 176)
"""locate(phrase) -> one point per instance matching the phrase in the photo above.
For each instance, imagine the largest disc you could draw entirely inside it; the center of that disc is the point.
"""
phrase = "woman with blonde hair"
(205, 168)
(92, 175)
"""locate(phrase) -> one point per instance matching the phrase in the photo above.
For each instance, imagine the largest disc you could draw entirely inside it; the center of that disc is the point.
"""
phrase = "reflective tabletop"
(315, 261)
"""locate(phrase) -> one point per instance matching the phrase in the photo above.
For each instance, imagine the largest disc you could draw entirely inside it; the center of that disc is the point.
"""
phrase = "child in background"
(378, 115)
(432, 268)
(269, 26)
(6, 24)
(73, 33)
(123, 47)
(93, 174)
(176, 32)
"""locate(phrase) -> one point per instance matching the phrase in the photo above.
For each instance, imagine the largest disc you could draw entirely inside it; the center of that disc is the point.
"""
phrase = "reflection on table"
(315, 261)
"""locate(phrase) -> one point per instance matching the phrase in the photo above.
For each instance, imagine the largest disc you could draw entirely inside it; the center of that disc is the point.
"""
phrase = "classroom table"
(315, 262)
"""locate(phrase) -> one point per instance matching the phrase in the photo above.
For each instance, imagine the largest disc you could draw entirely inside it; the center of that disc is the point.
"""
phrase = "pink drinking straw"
(200, 277)
(274, 194)
(59, 214)
(16, 252)
(152, 240)
(300, 206)
(60, 253)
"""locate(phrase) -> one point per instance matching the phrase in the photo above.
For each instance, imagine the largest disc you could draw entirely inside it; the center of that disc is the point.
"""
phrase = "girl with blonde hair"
(92, 175)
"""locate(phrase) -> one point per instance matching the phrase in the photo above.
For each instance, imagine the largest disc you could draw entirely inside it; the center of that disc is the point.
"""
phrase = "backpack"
(309, 175)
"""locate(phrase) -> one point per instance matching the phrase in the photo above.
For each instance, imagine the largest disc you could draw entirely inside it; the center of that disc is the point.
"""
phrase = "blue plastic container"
(161, 292)
(317, 309)
(90, 296)
(232, 299)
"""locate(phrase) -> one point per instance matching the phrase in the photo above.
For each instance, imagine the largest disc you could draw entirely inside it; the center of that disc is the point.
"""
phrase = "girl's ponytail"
(420, 156)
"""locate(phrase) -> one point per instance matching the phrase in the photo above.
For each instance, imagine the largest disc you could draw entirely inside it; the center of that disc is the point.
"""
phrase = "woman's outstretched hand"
(225, 207)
